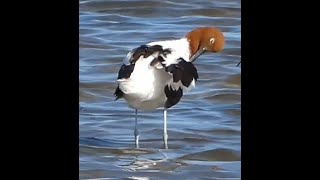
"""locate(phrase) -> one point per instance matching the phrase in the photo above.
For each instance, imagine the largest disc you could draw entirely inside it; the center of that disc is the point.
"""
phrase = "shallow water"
(204, 128)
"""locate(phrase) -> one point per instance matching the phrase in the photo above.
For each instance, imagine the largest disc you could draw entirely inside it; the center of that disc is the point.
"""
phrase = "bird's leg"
(136, 131)
(165, 134)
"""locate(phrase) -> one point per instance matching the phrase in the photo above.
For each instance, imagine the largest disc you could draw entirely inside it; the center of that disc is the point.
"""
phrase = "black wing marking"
(173, 96)
(160, 58)
(118, 93)
(183, 71)
(153, 49)
(137, 53)
(145, 51)
(133, 56)
(156, 61)
(125, 71)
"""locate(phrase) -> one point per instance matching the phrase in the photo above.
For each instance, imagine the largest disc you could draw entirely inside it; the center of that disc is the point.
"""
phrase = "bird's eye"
(212, 40)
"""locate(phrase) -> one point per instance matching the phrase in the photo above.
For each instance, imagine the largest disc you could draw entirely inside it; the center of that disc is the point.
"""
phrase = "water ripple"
(204, 128)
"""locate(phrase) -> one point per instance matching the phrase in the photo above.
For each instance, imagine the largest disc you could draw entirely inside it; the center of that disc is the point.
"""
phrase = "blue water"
(204, 128)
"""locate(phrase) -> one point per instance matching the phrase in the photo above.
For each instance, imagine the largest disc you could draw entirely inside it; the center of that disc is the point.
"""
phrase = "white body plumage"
(144, 89)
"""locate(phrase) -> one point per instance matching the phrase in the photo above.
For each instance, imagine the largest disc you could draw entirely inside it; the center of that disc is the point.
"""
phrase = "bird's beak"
(197, 54)
(239, 63)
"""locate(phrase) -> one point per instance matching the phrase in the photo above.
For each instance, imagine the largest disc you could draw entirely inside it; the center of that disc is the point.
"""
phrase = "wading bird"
(156, 74)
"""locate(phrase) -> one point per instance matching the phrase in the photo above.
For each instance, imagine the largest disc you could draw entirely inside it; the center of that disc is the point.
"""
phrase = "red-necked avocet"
(156, 74)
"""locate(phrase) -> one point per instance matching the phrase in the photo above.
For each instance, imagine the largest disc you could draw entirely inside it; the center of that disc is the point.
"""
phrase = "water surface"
(204, 128)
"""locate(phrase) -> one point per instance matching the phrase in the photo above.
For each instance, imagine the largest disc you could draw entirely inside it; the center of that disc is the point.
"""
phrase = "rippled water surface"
(204, 128)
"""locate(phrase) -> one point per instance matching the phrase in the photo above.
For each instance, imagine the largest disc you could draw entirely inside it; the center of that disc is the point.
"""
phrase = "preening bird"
(156, 74)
